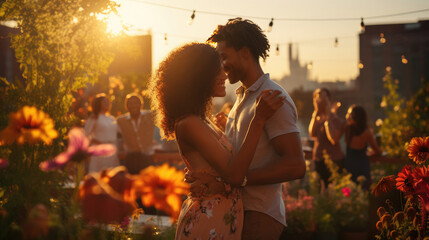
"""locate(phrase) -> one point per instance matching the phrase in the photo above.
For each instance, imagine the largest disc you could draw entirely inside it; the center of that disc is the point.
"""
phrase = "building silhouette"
(402, 47)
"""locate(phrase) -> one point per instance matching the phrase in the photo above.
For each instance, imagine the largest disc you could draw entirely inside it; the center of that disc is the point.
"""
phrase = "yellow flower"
(419, 149)
(29, 125)
(162, 187)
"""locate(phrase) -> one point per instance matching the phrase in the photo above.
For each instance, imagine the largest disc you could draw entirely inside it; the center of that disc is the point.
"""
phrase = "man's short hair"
(239, 33)
(131, 95)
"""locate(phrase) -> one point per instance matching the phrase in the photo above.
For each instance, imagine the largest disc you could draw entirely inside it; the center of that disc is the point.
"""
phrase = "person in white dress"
(101, 128)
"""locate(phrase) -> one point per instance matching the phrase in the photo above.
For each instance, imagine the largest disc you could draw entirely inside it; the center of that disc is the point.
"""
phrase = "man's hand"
(203, 184)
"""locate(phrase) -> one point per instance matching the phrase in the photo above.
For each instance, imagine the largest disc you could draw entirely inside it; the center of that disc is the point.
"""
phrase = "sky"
(313, 39)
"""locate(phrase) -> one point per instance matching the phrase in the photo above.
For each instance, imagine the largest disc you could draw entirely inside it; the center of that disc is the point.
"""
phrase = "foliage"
(413, 181)
(61, 46)
(342, 205)
(404, 119)
(300, 213)
(349, 199)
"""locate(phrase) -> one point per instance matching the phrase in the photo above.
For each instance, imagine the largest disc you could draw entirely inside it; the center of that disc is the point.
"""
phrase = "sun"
(114, 23)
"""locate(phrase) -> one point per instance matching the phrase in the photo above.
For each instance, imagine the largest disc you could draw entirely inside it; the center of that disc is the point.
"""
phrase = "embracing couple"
(236, 175)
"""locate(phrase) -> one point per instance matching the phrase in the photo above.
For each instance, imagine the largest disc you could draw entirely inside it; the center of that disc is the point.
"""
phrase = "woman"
(183, 88)
(358, 136)
(101, 128)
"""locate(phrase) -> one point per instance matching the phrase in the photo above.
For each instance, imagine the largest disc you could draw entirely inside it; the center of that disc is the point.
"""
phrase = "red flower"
(107, 197)
(386, 184)
(419, 149)
(405, 180)
(346, 191)
(421, 182)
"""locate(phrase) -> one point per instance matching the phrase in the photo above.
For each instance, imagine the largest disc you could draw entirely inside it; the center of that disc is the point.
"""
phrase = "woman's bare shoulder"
(189, 124)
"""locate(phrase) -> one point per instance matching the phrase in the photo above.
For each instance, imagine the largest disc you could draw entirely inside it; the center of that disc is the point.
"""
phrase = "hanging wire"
(285, 19)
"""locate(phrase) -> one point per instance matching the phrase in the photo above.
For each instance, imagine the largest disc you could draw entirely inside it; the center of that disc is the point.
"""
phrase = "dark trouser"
(257, 226)
(323, 170)
(136, 161)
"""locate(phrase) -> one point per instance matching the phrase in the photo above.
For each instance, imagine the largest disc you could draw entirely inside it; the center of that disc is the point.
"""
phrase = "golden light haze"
(314, 39)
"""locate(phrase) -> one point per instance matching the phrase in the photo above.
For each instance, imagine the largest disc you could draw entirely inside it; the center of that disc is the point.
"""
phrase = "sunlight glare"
(115, 25)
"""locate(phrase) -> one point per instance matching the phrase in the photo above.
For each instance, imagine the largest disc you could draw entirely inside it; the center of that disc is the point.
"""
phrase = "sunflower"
(29, 125)
(405, 180)
(162, 187)
(419, 149)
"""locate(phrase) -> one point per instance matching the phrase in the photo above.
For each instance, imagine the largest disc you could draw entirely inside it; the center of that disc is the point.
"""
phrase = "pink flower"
(346, 191)
(3, 163)
(78, 150)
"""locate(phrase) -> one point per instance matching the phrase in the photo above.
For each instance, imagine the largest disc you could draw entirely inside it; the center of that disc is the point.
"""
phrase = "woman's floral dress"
(212, 215)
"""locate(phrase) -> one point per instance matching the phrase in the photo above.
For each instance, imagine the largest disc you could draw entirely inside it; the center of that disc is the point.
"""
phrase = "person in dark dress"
(358, 137)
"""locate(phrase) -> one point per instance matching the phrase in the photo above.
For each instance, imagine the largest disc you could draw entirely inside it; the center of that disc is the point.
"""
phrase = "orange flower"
(29, 125)
(107, 196)
(419, 149)
(162, 187)
(386, 184)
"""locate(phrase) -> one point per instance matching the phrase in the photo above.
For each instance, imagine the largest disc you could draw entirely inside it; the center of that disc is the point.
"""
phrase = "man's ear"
(245, 53)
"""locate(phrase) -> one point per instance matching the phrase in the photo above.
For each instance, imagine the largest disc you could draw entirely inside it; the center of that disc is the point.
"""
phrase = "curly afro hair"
(183, 85)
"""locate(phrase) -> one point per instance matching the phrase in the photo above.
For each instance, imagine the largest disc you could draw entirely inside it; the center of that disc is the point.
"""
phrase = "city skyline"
(315, 39)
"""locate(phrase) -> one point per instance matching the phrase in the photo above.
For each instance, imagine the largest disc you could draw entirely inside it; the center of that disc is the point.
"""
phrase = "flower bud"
(381, 211)
(398, 217)
(379, 226)
(386, 219)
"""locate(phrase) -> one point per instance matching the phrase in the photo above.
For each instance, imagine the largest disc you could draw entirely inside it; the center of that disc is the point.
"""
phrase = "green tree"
(405, 118)
(62, 46)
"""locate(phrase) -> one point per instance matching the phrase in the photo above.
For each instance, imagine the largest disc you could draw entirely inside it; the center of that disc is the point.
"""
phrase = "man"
(326, 129)
(136, 128)
(279, 156)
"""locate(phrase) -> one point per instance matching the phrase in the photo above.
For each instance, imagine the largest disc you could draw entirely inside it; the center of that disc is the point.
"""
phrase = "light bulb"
(270, 25)
(191, 19)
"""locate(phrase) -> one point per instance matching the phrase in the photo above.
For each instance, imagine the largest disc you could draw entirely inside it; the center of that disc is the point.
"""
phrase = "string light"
(361, 66)
(270, 25)
(362, 25)
(191, 19)
(382, 39)
(404, 60)
(277, 49)
(310, 65)
(285, 19)
(336, 42)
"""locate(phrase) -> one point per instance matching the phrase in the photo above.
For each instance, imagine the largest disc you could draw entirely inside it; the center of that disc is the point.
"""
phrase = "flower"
(386, 184)
(162, 187)
(107, 196)
(78, 150)
(3, 163)
(29, 125)
(421, 177)
(346, 191)
(405, 180)
(419, 149)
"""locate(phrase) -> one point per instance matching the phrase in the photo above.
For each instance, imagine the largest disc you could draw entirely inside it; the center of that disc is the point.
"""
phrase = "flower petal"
(102, 150)
(77, 140)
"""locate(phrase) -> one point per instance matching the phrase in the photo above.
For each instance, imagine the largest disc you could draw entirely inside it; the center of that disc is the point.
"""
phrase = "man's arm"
(290, 166)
